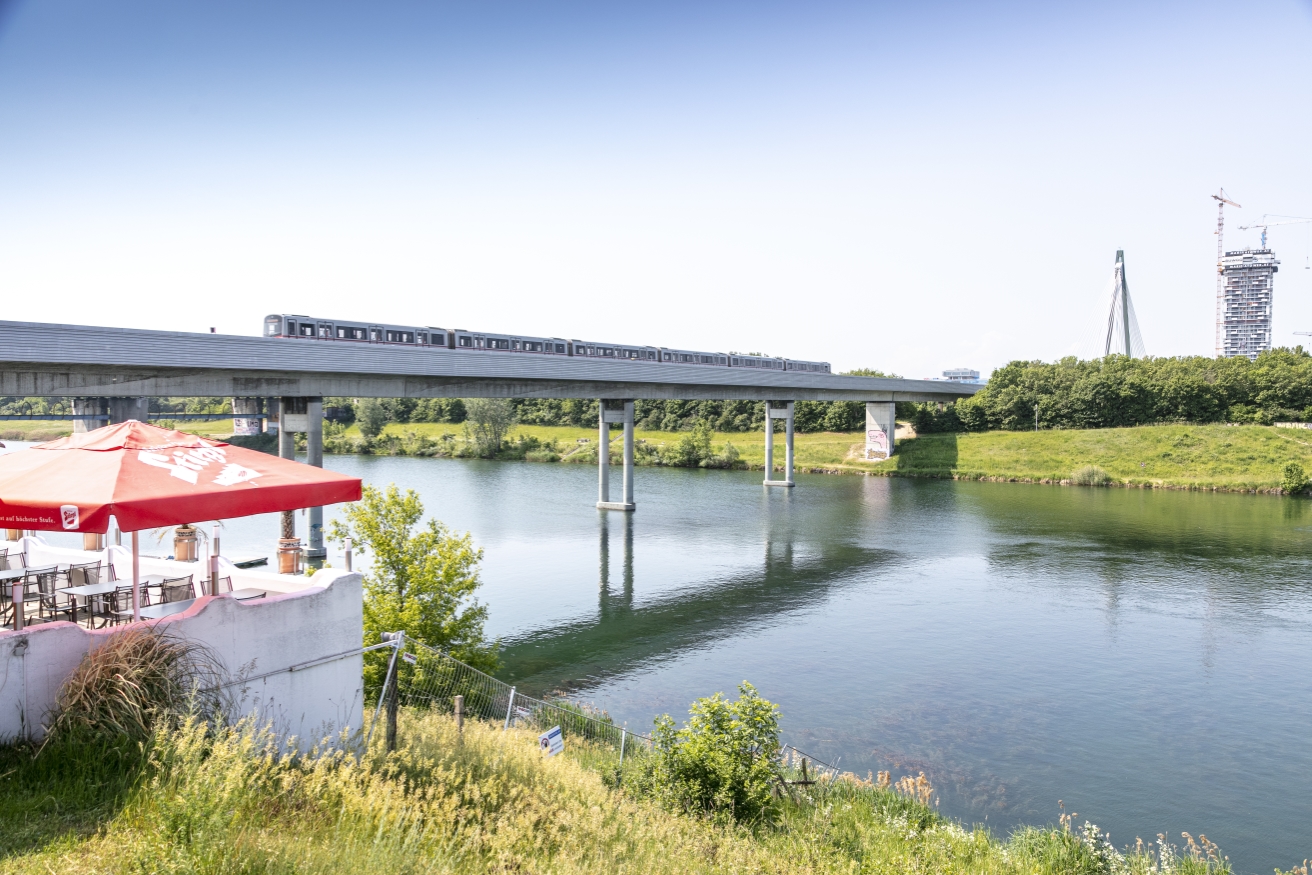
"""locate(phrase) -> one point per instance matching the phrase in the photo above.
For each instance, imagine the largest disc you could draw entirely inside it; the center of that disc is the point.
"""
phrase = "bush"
(723, 762)
(1091, 475)
(138, 680)
(1295, 479)
(371, 417)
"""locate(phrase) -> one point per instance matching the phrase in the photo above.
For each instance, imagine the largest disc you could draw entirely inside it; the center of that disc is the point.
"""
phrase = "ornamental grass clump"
(135, 682)
(1091, 475)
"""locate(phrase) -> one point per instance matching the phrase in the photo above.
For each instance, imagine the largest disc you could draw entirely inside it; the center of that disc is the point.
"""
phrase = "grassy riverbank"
(1232, 458)
(487, 802)
(1243, 458)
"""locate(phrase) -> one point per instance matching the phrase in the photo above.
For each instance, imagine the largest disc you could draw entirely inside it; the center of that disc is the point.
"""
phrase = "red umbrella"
(145, 476)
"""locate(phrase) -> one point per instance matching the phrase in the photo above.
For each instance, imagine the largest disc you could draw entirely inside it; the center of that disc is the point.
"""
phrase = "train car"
(588, 349)
(311, 328)
(760, 362)
(472, 340)
(289, 325)
(692, 357)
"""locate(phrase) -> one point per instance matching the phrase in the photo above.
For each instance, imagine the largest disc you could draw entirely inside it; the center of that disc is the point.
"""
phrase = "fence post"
(460, 716)
(509, 709)
(623, 732)
(348, 554)
(397, 639)
(393, 697)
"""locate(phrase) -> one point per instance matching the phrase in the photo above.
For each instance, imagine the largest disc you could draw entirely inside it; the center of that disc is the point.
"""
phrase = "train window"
(438, 339)
(498, 344)
(307, 329)
(465, 340)
(535, 347)
(326, 330)
(514, 344)
(273, 326)
(560, 347)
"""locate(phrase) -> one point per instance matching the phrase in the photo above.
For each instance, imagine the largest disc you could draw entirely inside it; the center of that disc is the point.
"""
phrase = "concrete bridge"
(111, 372)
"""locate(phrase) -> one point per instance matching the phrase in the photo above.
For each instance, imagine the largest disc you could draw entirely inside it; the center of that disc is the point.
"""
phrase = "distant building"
(1245, 315)
(961, 375)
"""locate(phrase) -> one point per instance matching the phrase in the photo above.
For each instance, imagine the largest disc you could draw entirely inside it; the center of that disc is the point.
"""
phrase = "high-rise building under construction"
(1245, 317)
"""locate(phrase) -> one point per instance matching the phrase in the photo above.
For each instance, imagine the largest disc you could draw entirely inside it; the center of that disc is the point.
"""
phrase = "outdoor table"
(88, 591)
(242, 595)
(156, 612)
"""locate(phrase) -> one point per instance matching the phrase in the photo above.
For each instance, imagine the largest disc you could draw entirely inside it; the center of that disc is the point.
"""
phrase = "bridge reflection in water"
(628, 632)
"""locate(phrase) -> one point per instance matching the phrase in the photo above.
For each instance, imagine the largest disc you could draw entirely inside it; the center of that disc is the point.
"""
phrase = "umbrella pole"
(136, 578)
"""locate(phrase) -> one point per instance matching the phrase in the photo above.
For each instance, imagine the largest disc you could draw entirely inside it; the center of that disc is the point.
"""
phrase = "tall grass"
(135, 680)
(228, 801)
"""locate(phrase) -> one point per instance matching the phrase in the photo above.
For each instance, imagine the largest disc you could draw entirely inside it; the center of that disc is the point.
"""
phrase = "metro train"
(310, 328)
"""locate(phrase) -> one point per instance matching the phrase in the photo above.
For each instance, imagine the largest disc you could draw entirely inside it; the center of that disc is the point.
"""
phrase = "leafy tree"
(421, 580)
(371, 417)
(489, 419)
(724, 761)
(1295, 479)
(693, 448)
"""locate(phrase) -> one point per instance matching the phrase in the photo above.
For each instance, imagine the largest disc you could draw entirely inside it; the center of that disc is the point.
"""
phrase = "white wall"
(257, 641)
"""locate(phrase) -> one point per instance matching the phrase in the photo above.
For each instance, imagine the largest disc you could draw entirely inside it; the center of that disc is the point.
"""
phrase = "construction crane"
(1264, 224)
(1221, 201)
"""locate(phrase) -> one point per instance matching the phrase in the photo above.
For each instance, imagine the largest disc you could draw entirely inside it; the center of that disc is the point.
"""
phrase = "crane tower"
(1221, 201)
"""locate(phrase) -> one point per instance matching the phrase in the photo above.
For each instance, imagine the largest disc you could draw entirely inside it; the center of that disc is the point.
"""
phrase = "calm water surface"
(1143, 656)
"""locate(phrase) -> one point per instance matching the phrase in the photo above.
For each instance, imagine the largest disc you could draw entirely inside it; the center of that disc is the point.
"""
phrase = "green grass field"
(486, 801)
(1240, 458)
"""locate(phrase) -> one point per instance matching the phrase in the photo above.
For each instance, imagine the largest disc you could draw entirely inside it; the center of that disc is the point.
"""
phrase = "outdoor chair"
(12, 561)
(177, 589)
(39, 583)
(225, 585)
(117, 606)
(84, 575)
(52, 603)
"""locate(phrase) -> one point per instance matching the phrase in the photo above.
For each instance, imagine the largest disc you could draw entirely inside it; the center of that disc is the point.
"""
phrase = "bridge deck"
(80, 360)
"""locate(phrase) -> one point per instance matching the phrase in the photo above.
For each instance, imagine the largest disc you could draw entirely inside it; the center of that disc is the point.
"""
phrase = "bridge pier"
(88, 407)
(302, 415)
(245, 415)
(614, 412)
(786, 414)
(881, 425)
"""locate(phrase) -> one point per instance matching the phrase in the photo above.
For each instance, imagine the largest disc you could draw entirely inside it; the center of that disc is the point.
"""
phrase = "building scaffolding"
(1248, 280)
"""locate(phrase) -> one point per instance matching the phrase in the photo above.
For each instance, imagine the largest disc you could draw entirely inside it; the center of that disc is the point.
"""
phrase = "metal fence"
(428, 679)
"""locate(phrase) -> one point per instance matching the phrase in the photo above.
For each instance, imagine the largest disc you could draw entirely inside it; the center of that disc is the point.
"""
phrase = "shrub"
(723, 762)
(371, 417)
(1295, 479)
(1091, 475)
(137, 680)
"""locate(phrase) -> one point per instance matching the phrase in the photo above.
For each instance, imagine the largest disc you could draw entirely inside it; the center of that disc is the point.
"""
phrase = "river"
(1142, 656)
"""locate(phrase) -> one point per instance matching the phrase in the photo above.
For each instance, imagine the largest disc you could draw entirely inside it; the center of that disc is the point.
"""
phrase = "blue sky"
(909, 187)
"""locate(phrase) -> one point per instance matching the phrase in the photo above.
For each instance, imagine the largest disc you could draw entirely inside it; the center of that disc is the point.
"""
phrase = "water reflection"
(608, 603)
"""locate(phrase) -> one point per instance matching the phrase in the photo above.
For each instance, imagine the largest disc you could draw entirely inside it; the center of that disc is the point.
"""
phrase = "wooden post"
(460, 716)
(391, 712)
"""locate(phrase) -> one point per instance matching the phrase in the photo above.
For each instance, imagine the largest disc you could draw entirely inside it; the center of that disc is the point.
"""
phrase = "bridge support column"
(245, 415)
(87, 407)
(123, 409)
(786, 414)
(881, 424)
(316, 553)
(614, 412)
(291, 414)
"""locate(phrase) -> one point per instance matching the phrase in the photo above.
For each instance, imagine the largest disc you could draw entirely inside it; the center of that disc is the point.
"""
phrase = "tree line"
(1119, 391)
(372, 415)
